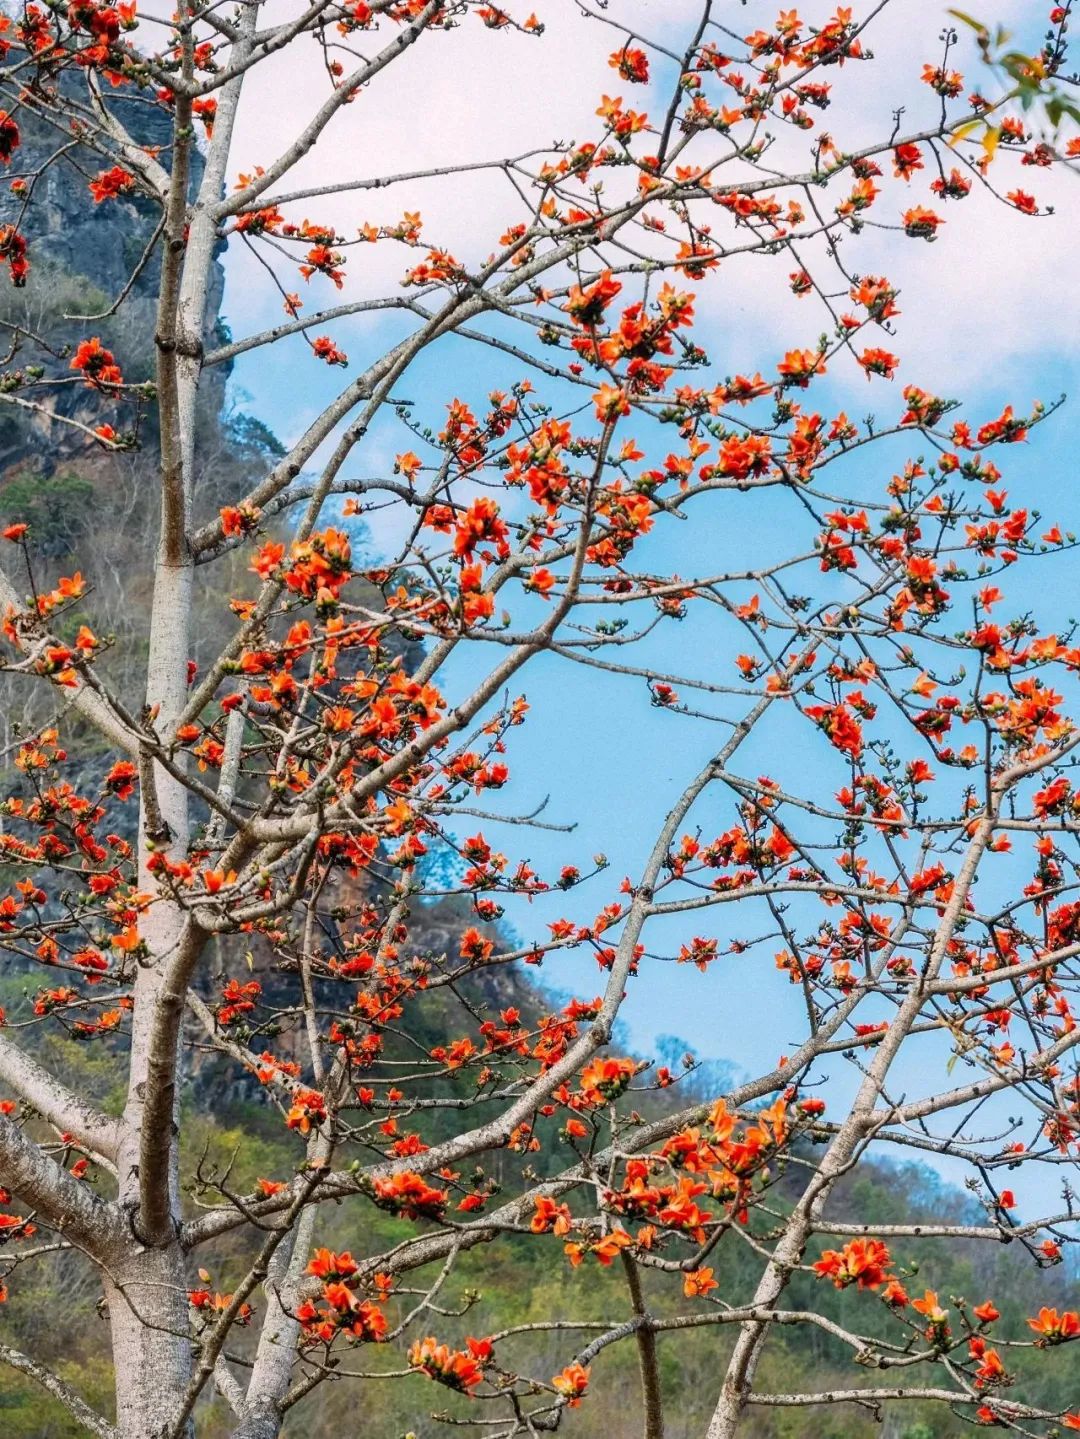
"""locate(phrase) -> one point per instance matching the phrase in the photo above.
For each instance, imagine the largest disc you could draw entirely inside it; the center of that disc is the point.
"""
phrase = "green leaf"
(976, 25)
(964, 131)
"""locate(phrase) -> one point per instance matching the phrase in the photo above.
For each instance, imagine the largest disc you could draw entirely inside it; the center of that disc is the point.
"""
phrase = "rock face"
(66, 230)
(82, 255)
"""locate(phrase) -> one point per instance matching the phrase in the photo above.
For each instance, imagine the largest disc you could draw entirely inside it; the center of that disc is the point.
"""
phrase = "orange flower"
(540, 582)
(586, 306)
(550, 1217)
(410, 1195)
(698, 1282)
(610, 1246)
(610, 402)
(238, 520)
(480, 523)
(327, 1265)
(129, 940)
(929, 1307)
(457, 1369)
(1055, 1328)
(921, 224)
(863, 1262)
(878, 362)
(604, 1080)
(324, 349)
(216, 879)
(799, 366)
(572, 1383)
(98, 366)
(309, 1108)
(268, 559)
(991, 1370)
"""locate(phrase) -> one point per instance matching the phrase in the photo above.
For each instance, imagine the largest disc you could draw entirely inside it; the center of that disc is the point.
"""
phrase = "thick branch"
(75, 1406)
(67, 1204)
(66, 1111)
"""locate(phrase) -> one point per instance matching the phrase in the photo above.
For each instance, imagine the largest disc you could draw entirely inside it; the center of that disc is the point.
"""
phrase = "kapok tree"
(288, 788)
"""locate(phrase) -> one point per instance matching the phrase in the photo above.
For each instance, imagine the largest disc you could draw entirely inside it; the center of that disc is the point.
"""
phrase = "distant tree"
(361, 715)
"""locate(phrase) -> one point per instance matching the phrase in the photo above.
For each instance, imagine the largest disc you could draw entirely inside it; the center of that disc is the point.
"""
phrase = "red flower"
(325, 349)
(841, 726)
(632, 65)
(1024, 202)
(120, 780)
(863, 1262)
(97, 364)
(906, 160)
(111, 183)
(9, 136)
(13, 252)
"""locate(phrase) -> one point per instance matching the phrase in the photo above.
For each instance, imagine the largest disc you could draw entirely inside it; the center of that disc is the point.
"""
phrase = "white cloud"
(982, 300)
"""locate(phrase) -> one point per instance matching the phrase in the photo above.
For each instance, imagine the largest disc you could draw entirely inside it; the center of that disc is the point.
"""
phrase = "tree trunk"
(261, 1423)
(148, 1316)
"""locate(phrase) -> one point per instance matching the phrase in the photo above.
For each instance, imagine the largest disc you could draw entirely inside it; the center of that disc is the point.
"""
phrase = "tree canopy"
(266, 837)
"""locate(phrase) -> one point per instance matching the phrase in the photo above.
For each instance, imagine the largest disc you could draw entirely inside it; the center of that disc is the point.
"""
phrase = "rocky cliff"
(84, 256)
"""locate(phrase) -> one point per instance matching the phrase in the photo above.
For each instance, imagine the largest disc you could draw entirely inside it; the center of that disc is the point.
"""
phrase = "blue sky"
(989, 315)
